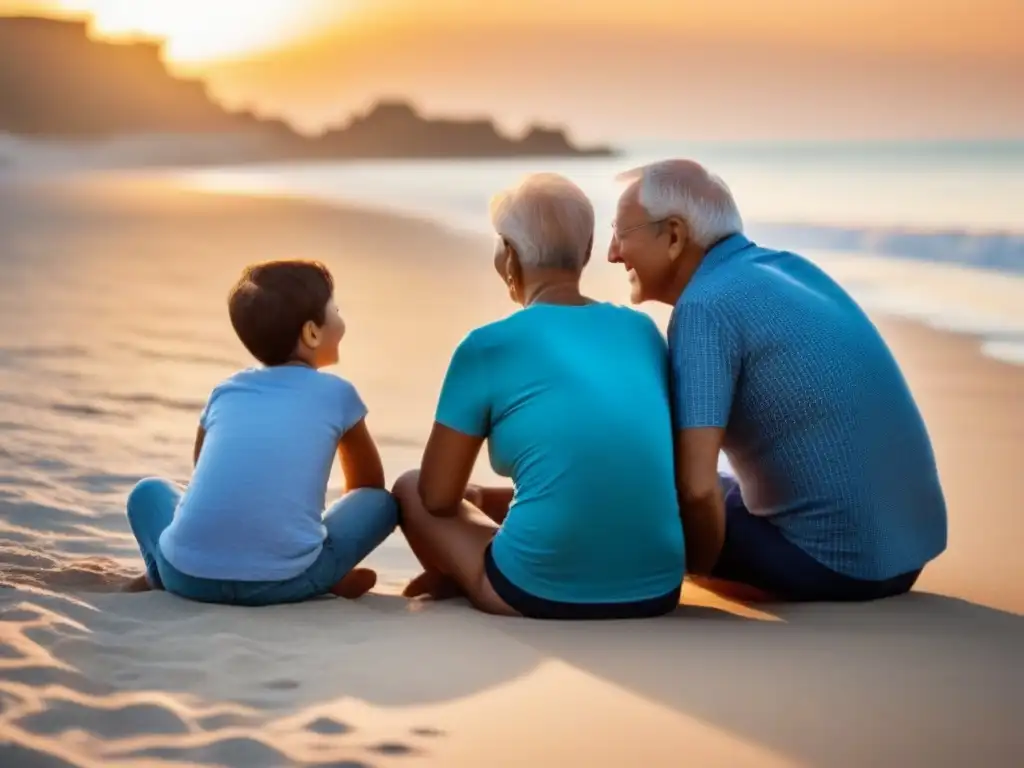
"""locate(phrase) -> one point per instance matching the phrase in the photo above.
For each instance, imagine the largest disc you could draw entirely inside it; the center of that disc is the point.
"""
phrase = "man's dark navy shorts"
(757, 554)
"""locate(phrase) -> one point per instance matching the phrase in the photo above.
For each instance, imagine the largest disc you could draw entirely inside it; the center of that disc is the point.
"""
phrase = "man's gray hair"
(686, 189)
(547, 219)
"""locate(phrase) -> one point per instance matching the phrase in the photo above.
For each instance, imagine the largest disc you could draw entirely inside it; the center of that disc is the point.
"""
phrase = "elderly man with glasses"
(836, 495)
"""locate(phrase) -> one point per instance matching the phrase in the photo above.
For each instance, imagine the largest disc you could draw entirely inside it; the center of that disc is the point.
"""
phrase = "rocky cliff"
(57, 82)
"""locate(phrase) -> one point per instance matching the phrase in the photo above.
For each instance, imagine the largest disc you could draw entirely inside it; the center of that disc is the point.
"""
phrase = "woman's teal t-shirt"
(574, 403)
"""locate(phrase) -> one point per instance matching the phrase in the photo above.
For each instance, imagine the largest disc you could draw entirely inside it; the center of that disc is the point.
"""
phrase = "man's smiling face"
(637, 244)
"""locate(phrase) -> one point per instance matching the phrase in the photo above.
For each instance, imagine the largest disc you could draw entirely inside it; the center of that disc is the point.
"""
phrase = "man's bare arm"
(700, 496)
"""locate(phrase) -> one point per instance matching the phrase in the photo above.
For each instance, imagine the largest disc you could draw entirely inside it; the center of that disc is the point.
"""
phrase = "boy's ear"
(310, 335)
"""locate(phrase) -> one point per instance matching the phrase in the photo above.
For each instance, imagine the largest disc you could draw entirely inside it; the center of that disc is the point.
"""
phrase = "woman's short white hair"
(548, 220)
(686, 189)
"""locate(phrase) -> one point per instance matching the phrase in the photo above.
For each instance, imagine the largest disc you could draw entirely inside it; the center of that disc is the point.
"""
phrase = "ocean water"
(933, 232)
(929, 231)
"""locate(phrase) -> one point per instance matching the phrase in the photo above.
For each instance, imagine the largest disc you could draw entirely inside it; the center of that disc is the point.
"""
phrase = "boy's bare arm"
(360, 459)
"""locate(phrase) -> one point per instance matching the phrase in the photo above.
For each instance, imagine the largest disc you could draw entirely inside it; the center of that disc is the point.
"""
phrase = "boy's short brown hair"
(273, 300)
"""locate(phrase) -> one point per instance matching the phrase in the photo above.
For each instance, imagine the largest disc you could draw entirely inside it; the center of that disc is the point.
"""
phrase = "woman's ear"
(500, 257)
(512, 266)
(513, 273)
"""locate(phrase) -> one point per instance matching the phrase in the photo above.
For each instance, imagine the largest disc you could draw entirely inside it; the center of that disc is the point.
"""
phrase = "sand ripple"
(52, 714)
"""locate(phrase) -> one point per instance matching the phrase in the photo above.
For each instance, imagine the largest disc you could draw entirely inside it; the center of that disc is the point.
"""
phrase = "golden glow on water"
(232, 183)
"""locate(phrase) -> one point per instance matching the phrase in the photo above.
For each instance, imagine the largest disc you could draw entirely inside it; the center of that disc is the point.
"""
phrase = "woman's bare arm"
(493, 501)
(448, 462)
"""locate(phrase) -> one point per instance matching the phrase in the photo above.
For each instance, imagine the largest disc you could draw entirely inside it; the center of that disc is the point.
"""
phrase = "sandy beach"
(113, 329)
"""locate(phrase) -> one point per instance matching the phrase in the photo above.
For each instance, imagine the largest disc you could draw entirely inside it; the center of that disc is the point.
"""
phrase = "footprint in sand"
(328, 726)
(427, 732)
(392, 748)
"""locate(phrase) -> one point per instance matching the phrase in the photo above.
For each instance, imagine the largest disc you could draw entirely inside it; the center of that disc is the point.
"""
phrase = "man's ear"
(678, 235)
(590, 249)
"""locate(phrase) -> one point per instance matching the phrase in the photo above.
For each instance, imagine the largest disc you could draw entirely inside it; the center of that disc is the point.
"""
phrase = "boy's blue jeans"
(356, 525)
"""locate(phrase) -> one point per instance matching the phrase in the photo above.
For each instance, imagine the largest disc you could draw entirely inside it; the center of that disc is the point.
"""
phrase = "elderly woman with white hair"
(572, 398)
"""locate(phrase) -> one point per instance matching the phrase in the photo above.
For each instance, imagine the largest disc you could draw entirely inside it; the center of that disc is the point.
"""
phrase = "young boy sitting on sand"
(251, 528)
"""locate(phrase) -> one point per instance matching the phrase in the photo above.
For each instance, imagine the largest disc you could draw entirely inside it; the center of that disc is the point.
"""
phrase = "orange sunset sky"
(728, 69)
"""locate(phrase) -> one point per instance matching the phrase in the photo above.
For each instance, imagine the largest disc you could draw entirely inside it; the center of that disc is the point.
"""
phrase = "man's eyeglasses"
(617, 233)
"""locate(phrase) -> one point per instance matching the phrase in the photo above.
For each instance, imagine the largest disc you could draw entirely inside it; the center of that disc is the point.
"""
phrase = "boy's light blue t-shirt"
(253, 509)
(574, 402)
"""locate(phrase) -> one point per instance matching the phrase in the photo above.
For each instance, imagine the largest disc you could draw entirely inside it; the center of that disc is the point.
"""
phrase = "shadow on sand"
(916, 680)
